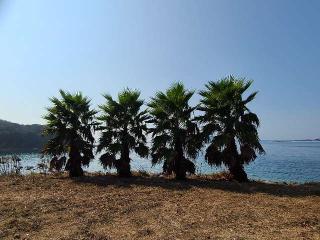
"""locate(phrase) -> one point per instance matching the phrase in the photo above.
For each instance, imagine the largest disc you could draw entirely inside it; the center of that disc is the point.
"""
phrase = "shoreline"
(215, 176)
(142, 176)
(292, 163)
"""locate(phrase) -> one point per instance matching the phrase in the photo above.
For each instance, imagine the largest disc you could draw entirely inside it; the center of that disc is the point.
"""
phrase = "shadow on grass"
(276, 189)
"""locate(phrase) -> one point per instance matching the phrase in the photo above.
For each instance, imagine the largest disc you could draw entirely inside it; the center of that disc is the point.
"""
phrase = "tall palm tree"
(174, 132)
(229, 127)
(124, 129)
(70, 122)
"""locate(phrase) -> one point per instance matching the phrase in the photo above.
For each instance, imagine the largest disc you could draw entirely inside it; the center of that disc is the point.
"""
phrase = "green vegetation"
(124, 129)
(174, 132)
(229, 126)
(225, 126)
(70, 121)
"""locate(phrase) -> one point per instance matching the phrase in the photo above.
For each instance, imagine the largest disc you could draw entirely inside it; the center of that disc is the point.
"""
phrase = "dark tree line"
(225, 127)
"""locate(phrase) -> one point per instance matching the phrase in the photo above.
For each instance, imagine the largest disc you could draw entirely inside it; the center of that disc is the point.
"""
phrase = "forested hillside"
(20, 138)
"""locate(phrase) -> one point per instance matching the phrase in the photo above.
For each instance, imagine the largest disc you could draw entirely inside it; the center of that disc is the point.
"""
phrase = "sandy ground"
(106, 207)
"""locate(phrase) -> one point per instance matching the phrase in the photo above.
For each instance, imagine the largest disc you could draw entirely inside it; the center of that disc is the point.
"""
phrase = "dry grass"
(106, 207)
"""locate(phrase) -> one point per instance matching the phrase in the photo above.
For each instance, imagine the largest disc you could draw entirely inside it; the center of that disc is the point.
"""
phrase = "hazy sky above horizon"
(103, 46)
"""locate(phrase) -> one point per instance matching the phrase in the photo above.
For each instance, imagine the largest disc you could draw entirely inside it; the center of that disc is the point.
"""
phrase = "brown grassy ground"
(106, 207)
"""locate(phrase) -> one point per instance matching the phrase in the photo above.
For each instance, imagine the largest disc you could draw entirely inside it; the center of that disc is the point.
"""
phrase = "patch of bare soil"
(107, 207)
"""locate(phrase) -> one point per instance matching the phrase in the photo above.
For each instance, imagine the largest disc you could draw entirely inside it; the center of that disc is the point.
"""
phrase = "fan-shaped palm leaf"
(229, 127)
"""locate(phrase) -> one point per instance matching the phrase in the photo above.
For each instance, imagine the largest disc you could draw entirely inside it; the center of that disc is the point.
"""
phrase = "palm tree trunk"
(74, 163)
(235, 166)
(123, 167)
(238, 172)
(179, 166)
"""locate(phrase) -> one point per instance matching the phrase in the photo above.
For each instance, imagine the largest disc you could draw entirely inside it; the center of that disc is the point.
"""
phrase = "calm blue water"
(289, 161)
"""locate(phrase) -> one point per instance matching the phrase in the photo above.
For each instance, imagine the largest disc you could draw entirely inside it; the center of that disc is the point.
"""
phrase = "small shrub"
(10, 165)
(143, 173)
(43, 166)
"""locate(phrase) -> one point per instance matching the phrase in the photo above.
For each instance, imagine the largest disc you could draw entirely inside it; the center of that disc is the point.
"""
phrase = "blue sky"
(103, 46)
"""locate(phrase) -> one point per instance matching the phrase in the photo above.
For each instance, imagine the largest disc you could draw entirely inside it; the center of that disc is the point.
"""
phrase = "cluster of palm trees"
(221, 122)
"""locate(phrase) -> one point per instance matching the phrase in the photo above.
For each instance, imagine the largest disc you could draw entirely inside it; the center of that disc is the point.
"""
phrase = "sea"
(284, 161)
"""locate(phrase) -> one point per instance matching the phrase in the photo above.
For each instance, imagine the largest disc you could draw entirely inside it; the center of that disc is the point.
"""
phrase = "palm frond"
(226, 119)
(108, 161)
(123, 124)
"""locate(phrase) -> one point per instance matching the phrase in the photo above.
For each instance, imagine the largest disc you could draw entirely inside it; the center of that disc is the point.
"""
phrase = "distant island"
(20, 138)
(296, 140)
(307, 140)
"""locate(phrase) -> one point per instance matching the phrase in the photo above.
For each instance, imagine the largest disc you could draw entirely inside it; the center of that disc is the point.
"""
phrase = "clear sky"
(103, 46)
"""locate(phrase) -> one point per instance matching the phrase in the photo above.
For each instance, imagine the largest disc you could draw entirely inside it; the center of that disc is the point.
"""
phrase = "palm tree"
(70, 122)
(229, 127)
(124, 129)
(174, 132)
